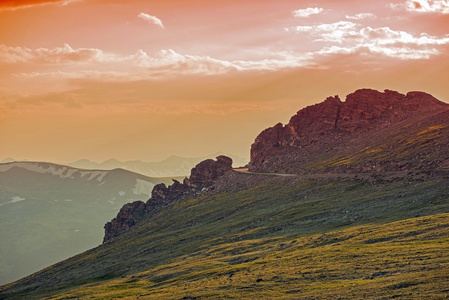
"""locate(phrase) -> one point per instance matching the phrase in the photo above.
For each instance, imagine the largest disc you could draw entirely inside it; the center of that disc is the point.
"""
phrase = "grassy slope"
(407, 259)
(208, 239)
(405, 145)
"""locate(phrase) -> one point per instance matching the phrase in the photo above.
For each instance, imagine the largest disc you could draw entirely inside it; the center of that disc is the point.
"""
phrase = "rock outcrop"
(207, 171)
(128, 216)
(201, 179)
(327, 128)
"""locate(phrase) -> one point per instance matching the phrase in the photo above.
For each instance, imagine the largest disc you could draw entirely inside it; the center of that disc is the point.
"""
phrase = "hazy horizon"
(144, 80)
(212, 155)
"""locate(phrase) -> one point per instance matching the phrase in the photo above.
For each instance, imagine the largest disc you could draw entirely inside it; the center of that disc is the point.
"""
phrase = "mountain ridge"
(364, 111)
(334, 128)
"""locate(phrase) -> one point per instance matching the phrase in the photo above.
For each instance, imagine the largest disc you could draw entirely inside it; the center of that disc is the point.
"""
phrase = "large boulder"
(207, 171)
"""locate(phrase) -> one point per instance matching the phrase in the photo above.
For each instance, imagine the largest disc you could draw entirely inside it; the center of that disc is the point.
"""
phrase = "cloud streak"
(353, 38)
(361, 16)
(96, 64)
(333, 32)
(307, 12)
(58, 55)
(343, 37)
(151, 19)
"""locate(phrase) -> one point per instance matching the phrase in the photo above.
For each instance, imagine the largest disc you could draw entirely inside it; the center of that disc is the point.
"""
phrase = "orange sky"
(144, 79)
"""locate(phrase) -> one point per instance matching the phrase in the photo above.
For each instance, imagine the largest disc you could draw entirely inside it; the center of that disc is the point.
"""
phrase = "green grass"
(284, 239)
(407, 259)
(406, 145)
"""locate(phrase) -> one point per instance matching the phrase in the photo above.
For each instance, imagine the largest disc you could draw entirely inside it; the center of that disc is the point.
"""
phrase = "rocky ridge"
(372, 124)
(201, 180)
(368, 134)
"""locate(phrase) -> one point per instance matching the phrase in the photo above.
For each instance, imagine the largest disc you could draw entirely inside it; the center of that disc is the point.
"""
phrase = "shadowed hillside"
(50, 212)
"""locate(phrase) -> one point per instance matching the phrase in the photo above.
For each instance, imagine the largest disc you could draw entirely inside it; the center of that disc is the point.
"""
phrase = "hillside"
(236, 233)
(318, 216)
(50, 212)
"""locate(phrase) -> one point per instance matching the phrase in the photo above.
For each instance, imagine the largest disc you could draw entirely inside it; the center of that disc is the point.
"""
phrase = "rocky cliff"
(329, 131)
(201, 179)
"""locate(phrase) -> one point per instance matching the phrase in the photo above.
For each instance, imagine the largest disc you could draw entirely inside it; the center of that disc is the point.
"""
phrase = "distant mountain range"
(172, 166)
(50, 212)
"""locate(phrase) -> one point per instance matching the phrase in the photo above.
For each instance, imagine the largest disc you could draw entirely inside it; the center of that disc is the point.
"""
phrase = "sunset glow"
(138, 79)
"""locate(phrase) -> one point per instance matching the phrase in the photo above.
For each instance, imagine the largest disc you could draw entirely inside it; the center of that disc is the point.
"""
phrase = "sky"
(147, 79)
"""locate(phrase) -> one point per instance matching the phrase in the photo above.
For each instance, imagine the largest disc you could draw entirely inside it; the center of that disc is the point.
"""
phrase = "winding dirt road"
(363, 176)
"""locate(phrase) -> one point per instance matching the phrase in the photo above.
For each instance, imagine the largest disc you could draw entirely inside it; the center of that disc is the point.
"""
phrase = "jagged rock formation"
(201, 179)
(208, 170)
(331, 130)
(129, 215)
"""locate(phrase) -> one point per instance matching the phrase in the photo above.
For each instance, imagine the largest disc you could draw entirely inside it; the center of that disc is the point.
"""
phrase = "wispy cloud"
(151, 19)
(307, 12)
(373, 50)
(58, 55)
(11, 5)
(66, 62)
(353, 38)
(332, 32)
(424, 6)
(387, 36)
(361, 16)
(343, 37)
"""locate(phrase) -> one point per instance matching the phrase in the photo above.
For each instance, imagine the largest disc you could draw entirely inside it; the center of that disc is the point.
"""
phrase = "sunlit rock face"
(325, 126)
